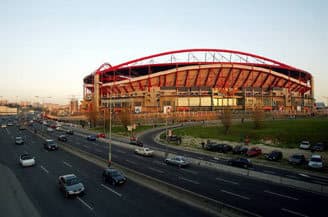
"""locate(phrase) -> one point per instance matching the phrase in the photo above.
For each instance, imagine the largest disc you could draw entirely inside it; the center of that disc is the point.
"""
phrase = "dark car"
(318, 147)
(239, 149)
(174, 138)
(254, 151)
(240, 162)
(70, 132)
(50, 144)
(62, 138)
(70, 185)
(297, 159)
(113, 176)
(224, 148)
(134, 141)
(91, 138)
(274, 155)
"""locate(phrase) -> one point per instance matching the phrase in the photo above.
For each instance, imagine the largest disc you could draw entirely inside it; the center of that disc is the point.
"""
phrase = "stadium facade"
(199, 80)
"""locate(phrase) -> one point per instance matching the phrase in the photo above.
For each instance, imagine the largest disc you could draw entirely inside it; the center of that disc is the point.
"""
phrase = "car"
(113, 176)
(305, 145)
(49, 129)
(91, 138)
(70, 132)
(174, 138)
(144, 152)
(10, 124)
(297, 159)
(19, 140)
(26, 160)
(50, 144)
(21, 127)
(315, 162)
(254, 151)
(239, 149)
(70, 185)
(62, 138)
(275, 155)
(3, 125)
(240, 162)
(58, 128)
(134, 141)
(179, 161)
(101, 135)
(224, 148)
(318, 147)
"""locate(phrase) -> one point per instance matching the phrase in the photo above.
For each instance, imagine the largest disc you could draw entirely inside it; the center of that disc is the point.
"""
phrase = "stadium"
(199, 80)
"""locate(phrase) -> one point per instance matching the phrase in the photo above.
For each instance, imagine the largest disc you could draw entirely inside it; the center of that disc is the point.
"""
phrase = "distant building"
(5, 110)
(320, 105)
(74, 106)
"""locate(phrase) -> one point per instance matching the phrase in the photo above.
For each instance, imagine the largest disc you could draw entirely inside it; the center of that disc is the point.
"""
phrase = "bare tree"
(126, 118)
(258, 117)
(226, 119)
(92, 116)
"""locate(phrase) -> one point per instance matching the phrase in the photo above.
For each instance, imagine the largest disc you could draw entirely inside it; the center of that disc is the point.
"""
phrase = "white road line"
(122, 152)
(131, 162)
(236, 195)
(84, 203)
(281, 195)
(190, 171)
(304, 175)
(109, 189)
(156, 170)
(67, 164)
(293, 212)
(85, 146)
(227, 181)
(189, 180)
(44, 169)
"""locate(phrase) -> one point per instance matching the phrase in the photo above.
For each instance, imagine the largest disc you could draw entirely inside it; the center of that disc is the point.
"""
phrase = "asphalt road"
(101, 199)
(256, 196)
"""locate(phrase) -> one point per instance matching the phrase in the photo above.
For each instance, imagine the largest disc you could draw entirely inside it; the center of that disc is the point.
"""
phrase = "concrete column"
(96, 93)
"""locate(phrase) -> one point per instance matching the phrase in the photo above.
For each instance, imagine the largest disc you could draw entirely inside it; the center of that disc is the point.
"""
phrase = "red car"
(254, 151)
(101, 135)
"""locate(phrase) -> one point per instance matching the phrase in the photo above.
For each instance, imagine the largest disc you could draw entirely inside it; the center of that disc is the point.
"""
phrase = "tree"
(226, 119)
(92, 116)
(258, 117)
(125, 116)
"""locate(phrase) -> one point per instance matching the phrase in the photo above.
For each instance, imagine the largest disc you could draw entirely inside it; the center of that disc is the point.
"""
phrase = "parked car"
(134, 141)
(144, 152)
(50, 145)
(10, 124)
(21, 127)
(274, 155)
(70, 185)
(254, 151)
(210, 146)
(239, 149)
(19, 140)
(240, 162)
(49, 129)
(177, 161)
(297, 159)
(174, 138)
(113, 176)
(305, 145)
(224, 148)
(101, 135)
(315, 162)
(62, 138)
(91, 138)
(58, 128)
(70, 132)
(318, 147)
(26, 160)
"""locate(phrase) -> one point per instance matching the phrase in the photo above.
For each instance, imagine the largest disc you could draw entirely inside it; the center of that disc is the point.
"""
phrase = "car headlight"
(71, 192)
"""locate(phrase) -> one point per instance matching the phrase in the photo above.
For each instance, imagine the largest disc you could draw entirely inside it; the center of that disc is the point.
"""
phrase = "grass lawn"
(120, 130)
(281, 133)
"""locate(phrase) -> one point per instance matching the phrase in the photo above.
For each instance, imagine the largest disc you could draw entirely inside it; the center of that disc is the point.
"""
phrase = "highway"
(101, 199)
(258, 197)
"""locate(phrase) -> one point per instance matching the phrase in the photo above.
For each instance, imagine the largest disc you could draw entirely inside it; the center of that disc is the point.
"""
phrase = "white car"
(315, 162)
(144, 151)
(49, 129)
(305, 145)
(58, 128)
(26, 160)
(3, 125)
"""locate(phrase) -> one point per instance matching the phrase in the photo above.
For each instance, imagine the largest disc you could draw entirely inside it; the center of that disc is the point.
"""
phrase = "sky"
(48, 47)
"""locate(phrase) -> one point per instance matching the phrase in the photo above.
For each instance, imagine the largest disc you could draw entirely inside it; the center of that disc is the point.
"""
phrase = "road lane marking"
(67, 164)
(44, 169)
(109, 189)
(293, 212)
(236, 195)
(85, 203)
(281, 195)
(156, 170)
(189, 180)
(189, 171)
(131, 162)
(85, 146)
(268, 171)
(304, 175)
(227, 181)
(122, 152)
